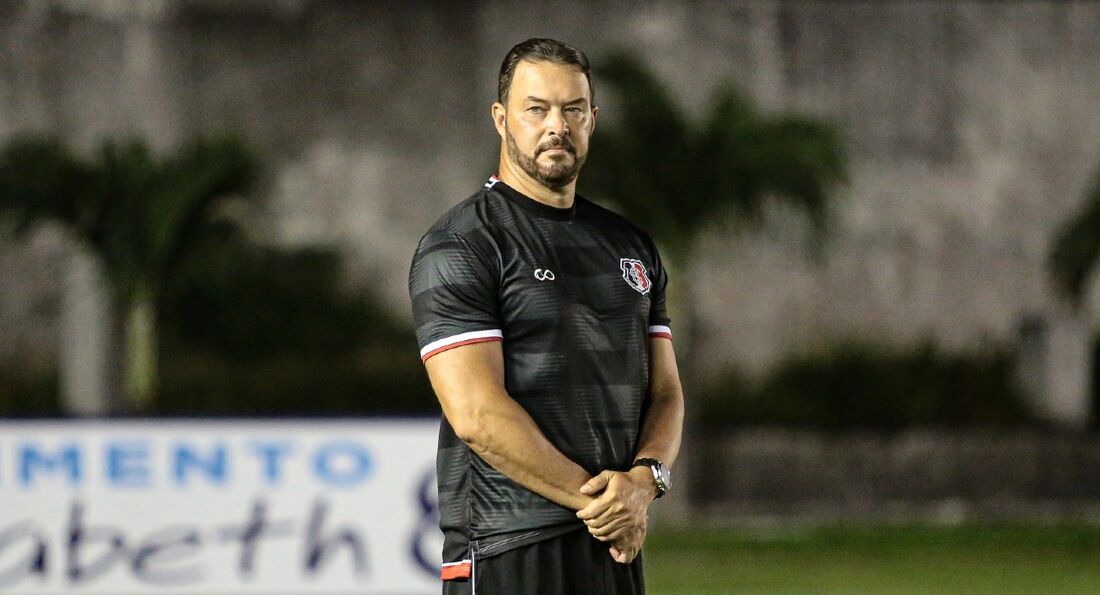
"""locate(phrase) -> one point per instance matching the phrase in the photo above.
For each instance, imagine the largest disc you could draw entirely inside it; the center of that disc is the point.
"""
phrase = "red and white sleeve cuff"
(459, 340)
(456, 570)
(659, 330)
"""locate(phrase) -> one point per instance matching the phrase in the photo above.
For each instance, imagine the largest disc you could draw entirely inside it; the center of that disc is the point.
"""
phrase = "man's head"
(544, 113)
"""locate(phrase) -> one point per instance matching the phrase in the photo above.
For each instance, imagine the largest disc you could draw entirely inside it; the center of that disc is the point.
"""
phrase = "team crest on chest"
(635, 275)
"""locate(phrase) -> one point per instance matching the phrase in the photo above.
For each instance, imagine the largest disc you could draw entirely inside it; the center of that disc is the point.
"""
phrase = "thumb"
(596, 484)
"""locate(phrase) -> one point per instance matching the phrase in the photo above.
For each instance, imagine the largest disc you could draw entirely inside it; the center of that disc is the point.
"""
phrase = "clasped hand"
(618, 514)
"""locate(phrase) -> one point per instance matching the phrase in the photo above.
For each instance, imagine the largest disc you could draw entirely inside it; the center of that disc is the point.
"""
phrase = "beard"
(555, 176)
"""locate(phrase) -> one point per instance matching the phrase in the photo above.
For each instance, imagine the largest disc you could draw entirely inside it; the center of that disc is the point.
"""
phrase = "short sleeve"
(659, 322)
(454, 294)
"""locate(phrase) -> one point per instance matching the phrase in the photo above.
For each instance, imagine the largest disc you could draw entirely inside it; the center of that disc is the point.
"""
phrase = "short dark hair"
(542, 49)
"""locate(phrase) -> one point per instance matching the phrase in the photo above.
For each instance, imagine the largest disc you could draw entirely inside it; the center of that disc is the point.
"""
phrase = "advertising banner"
(181, 507)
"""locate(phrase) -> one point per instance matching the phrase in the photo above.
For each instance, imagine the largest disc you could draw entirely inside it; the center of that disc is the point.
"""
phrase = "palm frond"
(137, 212)
(796, 160)
(675, 177)
(1076, 248)
(155, 208)
(125, 174)
(194, 184)
(40, 179)
(636, 160)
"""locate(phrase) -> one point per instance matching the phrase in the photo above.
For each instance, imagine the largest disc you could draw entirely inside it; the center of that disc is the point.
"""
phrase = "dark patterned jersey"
(574, 294)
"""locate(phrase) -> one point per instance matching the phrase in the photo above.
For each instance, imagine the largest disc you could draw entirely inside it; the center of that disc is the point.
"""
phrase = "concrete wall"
(944, 476)
(973, 129)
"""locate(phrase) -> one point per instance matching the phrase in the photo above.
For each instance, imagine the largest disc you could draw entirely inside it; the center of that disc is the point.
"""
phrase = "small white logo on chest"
(544, 274)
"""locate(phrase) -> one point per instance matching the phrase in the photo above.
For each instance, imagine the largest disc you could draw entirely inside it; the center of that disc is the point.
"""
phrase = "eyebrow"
(571, 102)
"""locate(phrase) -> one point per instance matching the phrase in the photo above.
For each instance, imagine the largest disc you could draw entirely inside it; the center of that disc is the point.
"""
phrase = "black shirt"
(574, 294)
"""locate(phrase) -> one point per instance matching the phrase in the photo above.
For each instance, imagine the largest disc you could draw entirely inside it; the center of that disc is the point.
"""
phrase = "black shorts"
(572, 564)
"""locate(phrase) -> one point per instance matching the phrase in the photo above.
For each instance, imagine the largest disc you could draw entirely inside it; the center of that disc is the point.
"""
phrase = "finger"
(596, 484)
(607, 528)
(617, 514)
(629, 543)
(615, 553)
(619, 535)
(594, 509)
(604, 535)
(624, 543)
(616, 537)
(606, 519)
(625, 557)
(612, 513)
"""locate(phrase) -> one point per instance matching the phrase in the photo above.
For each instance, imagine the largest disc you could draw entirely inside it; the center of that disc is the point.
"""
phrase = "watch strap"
(655, 467)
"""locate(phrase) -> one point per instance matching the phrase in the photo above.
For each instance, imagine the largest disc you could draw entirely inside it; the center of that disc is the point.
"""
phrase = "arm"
(619, 513)
(663, 425)
(469, 382)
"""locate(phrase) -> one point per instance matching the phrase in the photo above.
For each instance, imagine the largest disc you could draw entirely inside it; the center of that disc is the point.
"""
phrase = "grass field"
(971, 560)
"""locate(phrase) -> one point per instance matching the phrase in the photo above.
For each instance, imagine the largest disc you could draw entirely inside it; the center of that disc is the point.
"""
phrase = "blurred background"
(882, 222)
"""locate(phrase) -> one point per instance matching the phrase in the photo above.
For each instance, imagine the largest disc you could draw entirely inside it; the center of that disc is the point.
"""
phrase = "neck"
(515, 177)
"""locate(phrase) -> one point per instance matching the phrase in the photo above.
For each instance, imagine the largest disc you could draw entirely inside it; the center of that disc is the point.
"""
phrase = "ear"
(499, 113)
(595, 110)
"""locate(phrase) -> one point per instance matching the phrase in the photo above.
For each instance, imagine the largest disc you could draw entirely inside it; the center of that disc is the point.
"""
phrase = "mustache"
(557, 142)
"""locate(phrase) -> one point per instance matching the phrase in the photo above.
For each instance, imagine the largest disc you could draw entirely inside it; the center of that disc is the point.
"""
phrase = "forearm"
(508, 439)
(469, 382)
(662, 428)
(663, 420)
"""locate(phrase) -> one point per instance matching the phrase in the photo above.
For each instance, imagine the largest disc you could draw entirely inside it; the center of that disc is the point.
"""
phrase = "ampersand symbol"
(427, 529)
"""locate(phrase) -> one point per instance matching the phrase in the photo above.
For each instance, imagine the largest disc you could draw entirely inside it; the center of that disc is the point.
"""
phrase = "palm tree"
(1076, 248)
(137, 213)
(675, 177)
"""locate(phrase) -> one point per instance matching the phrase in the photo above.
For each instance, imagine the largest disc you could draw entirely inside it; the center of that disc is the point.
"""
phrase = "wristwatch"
(662, 478)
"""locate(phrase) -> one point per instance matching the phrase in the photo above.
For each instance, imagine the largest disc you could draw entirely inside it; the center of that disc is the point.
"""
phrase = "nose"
(555, 123)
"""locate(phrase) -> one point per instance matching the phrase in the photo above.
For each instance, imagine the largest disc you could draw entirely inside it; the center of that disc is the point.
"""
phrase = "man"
(541, 321)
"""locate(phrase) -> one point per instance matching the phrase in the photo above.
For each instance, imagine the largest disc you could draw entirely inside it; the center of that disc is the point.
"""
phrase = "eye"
(574, 109)
(535, 109)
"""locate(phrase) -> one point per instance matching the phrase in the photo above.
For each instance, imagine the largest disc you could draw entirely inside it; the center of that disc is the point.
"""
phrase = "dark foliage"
(674, 176)
(1096, 383)
(136, 212)
(1076, 248)
(249, 330)
(858, 386)
(25, 393)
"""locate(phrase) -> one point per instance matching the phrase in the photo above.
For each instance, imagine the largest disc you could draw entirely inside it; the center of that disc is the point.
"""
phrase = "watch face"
(666, 477)
(663, 477)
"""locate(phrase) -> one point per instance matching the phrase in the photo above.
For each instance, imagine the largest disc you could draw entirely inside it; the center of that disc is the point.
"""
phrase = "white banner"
(274, 507)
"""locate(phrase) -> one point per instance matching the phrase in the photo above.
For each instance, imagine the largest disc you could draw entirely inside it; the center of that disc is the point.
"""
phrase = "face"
(547, 122)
